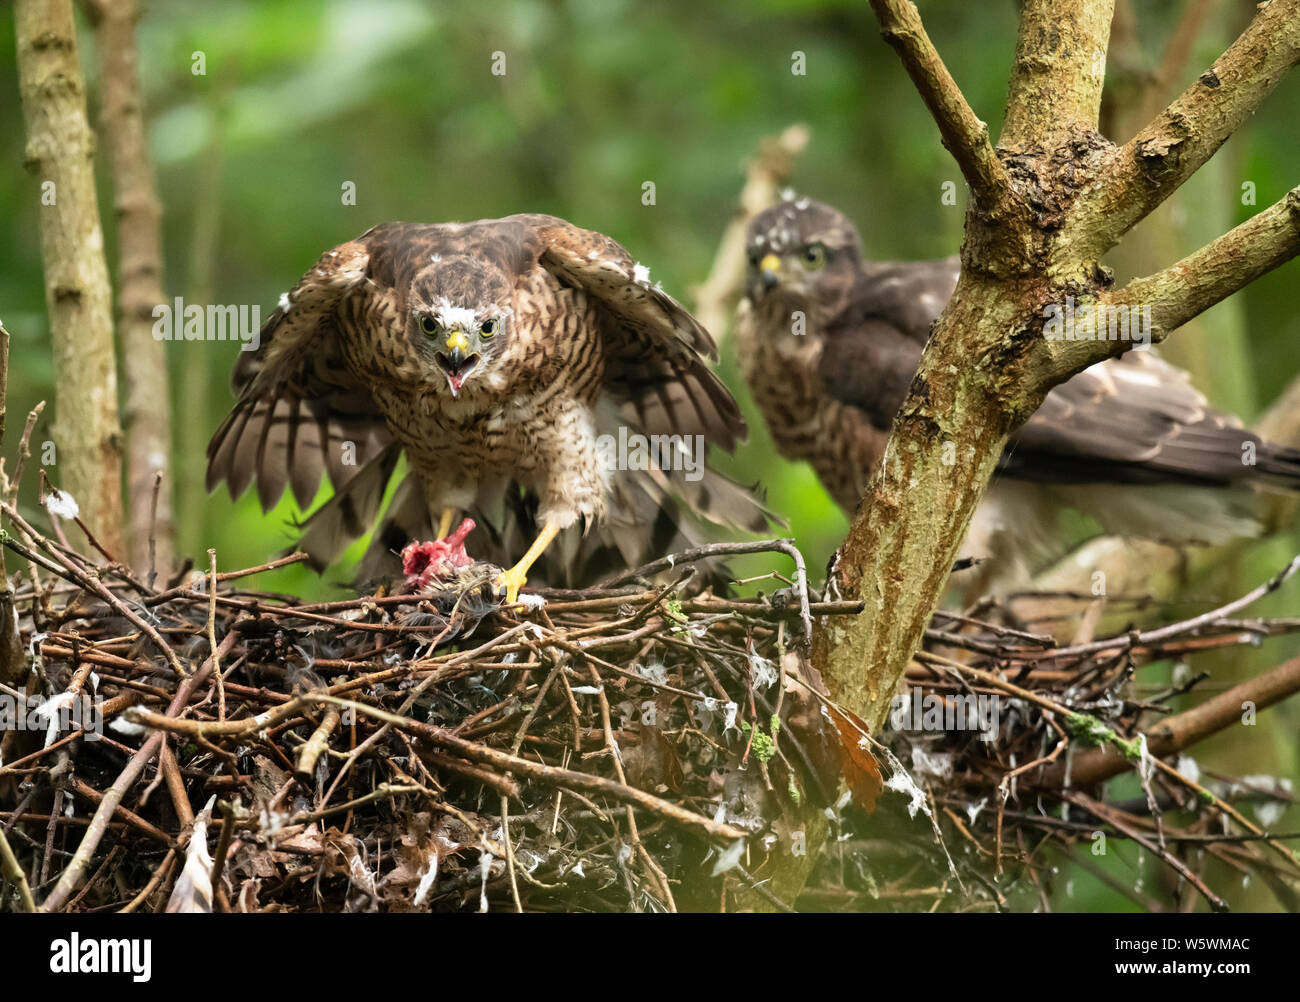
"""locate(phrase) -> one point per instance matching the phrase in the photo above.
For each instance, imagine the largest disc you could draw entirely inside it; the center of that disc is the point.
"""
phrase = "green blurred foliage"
(398, 97)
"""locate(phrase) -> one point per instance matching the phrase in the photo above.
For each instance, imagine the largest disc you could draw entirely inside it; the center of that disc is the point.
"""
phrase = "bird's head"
(801, 250)
(460, 318)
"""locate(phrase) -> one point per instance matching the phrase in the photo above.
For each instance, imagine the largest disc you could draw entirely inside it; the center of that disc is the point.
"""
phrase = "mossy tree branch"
(1186, 289)
(1060, 67)
(988, 363)
(1172, 147)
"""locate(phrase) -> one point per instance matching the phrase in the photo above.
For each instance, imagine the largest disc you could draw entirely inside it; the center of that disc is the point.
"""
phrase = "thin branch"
(964, 134)
(1204, 278)
(1167, 151)
(767, 172)
(1183, 730)
(12, 871)
(76, 868)
(146, 411)
(12, 663)
(474, 751)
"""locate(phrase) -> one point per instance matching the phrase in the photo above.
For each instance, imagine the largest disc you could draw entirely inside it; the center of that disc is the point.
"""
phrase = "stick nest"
(634, 747)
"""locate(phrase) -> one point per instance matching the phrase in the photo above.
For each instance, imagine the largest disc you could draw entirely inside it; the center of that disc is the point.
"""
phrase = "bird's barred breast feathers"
(338, 354)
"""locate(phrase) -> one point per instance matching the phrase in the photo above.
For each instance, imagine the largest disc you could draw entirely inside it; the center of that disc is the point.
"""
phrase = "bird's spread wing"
(1138, 420)
(297, 403)
(655, 350)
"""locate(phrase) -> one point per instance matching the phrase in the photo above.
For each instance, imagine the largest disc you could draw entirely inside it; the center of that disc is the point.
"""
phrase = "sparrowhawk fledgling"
(829, 342)
(498, 356)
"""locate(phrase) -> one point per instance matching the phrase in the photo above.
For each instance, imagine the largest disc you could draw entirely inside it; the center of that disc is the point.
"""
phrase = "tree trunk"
(147, 410)
(60, 151)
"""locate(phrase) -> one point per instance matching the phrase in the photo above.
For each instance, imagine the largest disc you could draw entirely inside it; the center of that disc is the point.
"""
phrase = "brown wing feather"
(297, 402)
(1137, 419)
(869, 365)
(1134, 419)
(655, 350)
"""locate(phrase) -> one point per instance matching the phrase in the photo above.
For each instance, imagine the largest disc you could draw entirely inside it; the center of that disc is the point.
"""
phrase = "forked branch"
(1188, 288)
(1171, 148)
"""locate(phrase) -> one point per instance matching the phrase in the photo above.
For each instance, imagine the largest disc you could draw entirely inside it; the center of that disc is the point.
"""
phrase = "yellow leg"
(444, 526)
(515, 578)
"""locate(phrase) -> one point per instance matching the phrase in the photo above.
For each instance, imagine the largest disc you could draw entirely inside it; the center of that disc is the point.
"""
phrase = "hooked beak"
(457, 362)
(770, 270)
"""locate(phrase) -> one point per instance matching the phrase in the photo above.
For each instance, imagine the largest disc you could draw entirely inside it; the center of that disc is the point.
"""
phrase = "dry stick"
(76, 867)
(1272, 842)
(510, 852)
(1271, 687)
(1148, 637)
(439, 672)
(471, 750)
(697, 553)
(159, 875)
(13, 872)
(24, 452)
(616, 756)
(223, 848)
(91, 583)
(175, 785)
(309, 754)
(184, 591)
(130, 817)
(46, 489)
(384, 791)
(503, 785)
(212, 635)
(1004, 786)
(153, 529)
(1110, 816)
(12, 663)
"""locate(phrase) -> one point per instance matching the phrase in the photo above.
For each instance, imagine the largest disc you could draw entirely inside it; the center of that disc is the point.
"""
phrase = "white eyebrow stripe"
(455, 316)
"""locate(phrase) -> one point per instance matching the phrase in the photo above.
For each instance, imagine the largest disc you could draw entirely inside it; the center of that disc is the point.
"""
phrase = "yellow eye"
(814, 255)
(428, 324)
(489, 328)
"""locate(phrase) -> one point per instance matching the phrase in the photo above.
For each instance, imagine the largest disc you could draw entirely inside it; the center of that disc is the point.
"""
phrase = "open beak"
(770, 270)
(457, 362)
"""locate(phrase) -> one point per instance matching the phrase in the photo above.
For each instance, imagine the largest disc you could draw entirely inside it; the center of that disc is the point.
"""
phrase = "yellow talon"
(511, 580)
(515, 578)
(444, 526)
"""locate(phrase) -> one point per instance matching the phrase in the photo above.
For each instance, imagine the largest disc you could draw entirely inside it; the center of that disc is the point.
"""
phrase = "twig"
(15, 874)
(964, 135)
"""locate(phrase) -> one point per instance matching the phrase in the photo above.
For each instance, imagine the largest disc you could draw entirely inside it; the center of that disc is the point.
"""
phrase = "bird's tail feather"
(350, 513)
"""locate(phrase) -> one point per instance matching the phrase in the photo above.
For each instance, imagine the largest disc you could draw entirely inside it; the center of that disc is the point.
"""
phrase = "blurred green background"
(600, 96)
